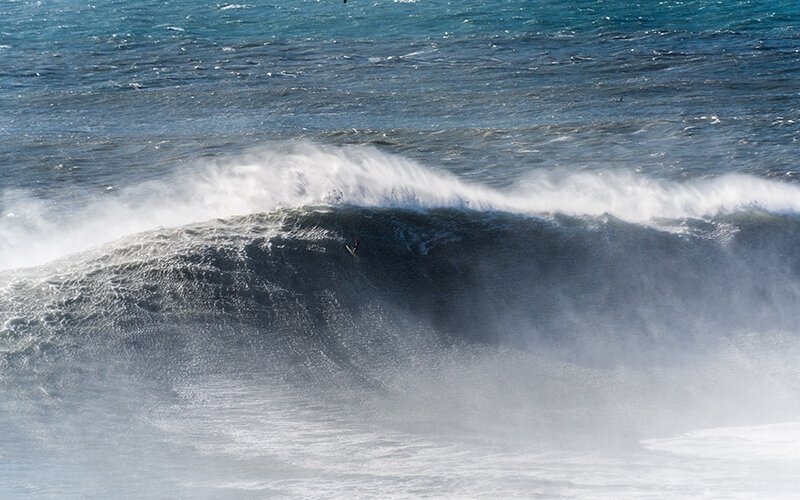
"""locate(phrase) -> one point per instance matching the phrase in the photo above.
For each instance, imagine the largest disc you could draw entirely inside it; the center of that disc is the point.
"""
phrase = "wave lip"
(639, 199)
(302, 174)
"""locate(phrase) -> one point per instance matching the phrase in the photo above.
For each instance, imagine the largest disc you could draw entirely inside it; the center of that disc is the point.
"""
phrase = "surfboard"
(351, 250)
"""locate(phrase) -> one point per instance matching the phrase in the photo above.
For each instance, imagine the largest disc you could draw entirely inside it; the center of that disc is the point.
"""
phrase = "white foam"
(761, 442)
(295, 175)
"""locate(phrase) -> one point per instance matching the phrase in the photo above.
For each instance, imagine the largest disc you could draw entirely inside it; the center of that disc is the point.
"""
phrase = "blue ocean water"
(671, 87)
(578, 274)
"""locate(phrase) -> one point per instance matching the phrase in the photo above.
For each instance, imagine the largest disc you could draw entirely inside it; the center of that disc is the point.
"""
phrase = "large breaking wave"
(578, 264)
(525, 313)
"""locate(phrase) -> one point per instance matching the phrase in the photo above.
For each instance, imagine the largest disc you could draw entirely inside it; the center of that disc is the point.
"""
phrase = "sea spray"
(293, 175)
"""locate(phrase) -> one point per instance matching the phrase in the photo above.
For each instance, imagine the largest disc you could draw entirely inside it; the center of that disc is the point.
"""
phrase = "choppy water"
(578, 273)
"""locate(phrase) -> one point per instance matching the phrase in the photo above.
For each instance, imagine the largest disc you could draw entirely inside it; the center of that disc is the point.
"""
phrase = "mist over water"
(577, 274)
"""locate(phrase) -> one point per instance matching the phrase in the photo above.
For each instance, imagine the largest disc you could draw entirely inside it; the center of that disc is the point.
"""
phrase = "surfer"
(355, 247)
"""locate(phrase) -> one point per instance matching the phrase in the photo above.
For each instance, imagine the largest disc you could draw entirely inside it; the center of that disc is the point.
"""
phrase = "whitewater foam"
(743, 443)
(301, 174)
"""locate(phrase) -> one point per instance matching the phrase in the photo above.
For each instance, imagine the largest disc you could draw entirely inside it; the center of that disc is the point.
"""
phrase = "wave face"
(490, 277)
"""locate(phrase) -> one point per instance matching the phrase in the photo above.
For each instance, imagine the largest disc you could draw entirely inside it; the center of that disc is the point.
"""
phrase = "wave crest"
(302, 174)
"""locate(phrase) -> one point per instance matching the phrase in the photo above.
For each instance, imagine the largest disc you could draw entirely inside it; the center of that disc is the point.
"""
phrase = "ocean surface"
(579, 269)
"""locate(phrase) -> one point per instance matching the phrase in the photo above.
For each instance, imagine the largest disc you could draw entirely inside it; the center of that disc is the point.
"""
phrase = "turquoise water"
(577, 277)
